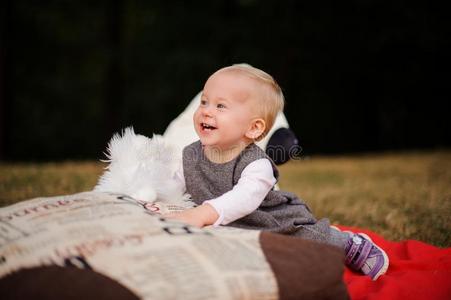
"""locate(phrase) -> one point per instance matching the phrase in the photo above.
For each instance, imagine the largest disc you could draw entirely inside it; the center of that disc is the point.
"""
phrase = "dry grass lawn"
(399, 195)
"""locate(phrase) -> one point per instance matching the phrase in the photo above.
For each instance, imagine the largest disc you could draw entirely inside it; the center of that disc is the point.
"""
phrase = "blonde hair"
(273, 99)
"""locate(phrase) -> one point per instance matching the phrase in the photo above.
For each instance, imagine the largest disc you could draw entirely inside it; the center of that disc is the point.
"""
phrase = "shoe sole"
(384, 268)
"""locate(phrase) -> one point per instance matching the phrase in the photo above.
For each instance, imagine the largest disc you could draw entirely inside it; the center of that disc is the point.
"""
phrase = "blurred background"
(358, 76)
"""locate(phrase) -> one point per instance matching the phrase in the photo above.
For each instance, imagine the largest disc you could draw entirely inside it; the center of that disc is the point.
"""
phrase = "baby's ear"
(256, 129)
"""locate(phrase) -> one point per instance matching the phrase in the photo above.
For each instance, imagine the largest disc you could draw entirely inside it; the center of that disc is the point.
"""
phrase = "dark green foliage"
(357, 75)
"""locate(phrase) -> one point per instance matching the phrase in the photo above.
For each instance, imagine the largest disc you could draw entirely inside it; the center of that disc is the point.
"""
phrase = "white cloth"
(256, 180)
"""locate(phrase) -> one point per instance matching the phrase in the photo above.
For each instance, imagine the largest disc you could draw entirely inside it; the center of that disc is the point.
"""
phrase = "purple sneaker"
(365, 256)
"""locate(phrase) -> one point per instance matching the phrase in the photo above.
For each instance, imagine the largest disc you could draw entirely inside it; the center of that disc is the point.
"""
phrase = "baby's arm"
(199, 216)
(256, 181)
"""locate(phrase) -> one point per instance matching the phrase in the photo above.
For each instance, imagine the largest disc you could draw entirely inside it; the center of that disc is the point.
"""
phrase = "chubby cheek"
(241, 121)
(196, 117)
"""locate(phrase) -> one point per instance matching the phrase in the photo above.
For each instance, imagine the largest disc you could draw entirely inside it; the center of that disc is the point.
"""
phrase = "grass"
(398, 195)
(20, 181)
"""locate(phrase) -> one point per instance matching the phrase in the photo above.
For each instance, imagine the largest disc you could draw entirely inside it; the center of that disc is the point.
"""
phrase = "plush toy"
(142, 168)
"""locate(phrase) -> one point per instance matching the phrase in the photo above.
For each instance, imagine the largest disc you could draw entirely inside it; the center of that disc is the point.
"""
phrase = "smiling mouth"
(207, 127)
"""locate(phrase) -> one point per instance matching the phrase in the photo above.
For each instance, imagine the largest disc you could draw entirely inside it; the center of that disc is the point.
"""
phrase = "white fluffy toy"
(142, 168)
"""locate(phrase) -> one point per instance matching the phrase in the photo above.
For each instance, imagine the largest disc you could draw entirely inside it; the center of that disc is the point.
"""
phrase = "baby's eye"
(220, 106)
(203, 102)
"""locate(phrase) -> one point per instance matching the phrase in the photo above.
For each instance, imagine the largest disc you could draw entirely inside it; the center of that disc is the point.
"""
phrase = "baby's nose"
(207, 111)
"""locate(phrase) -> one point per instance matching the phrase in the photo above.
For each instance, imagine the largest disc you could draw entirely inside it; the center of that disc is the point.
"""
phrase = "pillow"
(98, 245)
(56, 283)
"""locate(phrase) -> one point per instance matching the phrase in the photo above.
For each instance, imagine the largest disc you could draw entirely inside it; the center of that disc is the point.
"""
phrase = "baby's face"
(229, 104)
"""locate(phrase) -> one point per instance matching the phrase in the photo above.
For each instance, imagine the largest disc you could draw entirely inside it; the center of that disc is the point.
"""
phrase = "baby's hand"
(199, 216)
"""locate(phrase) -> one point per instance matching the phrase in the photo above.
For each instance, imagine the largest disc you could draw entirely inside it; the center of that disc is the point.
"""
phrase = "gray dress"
(280, 212)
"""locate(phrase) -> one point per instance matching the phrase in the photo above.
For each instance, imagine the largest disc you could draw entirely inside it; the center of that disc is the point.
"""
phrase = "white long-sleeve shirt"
(256, 180)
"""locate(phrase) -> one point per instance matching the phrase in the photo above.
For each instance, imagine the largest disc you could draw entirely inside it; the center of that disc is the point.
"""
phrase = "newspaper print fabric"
(128, 241)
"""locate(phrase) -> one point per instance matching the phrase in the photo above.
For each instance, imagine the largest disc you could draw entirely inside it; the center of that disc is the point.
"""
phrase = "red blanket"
(417, 271)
